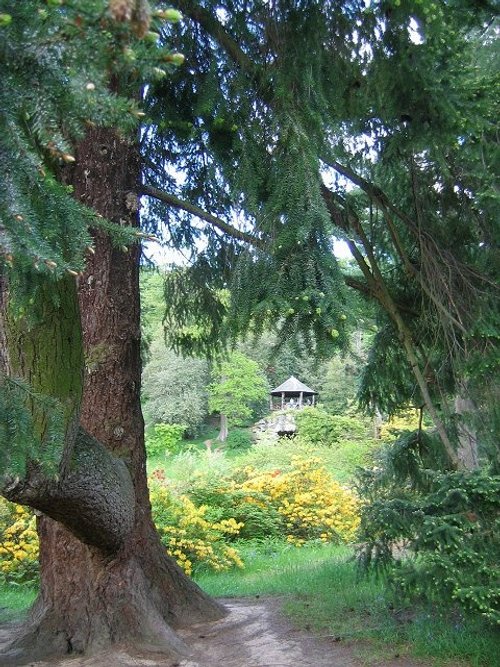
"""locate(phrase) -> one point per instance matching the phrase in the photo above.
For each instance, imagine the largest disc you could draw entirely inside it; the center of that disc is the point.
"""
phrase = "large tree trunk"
(100, 584)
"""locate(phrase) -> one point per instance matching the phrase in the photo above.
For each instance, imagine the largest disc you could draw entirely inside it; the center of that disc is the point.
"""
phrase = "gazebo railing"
(291, 402)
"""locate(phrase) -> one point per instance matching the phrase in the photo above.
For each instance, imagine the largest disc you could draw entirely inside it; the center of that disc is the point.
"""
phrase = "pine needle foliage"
(386, 381)
(66, 65)
(54, 81)
(437, 540)
(20, 438)
(391, 109)
(195, 310)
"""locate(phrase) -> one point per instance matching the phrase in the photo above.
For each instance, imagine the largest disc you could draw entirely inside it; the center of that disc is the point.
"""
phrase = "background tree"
(238, 387)
(175, 389)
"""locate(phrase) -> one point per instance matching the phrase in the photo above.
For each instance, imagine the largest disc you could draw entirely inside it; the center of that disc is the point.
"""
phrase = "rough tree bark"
(223, 429)
(105, 577)
(467, 436)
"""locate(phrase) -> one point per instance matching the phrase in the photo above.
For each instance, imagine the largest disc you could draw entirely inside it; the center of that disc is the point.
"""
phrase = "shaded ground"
(254, 634)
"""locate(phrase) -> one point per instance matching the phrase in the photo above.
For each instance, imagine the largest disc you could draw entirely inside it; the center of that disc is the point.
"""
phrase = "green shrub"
(315, 425)
(321, 428)
(166, 439)
(224, 501)
(448, 524)
(238, 440)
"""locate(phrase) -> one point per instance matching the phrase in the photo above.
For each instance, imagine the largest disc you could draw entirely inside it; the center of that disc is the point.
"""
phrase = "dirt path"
(254, 634)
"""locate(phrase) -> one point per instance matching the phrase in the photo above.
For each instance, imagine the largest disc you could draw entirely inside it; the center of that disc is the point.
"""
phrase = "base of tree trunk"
(43, 638)
(89, 602)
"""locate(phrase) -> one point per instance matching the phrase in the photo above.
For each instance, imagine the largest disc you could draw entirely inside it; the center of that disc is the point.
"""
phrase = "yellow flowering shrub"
(406, 420)
(312, 504)
(189, 537)
(18, 544)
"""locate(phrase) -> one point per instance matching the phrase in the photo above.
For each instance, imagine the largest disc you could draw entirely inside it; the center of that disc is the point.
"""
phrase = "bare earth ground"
(254, 634)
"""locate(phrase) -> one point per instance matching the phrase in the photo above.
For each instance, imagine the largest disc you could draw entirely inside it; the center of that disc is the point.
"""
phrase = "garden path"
(255, 633)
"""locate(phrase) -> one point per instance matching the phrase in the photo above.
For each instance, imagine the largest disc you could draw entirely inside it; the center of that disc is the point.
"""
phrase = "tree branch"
(219, 224)
(381, 201)
(214, 27)
(94, 499)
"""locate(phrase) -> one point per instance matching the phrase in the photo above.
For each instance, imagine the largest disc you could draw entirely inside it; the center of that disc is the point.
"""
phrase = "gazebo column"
(314, 400)
(301, 398)
(282, 400)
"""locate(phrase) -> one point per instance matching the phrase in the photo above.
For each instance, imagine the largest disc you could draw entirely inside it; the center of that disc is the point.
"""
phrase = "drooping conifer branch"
(176, 202)
(449, 311)
(214, 27)
(233, 232)
(379, 290)
(383, 203)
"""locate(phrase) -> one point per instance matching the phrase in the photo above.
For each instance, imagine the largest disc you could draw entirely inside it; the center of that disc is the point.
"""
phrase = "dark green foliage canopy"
(55, 62)
(316, 120)
(66, 66)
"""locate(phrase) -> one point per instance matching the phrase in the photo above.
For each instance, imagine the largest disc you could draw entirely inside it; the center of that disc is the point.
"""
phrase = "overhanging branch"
(214, 27)
(213, 220)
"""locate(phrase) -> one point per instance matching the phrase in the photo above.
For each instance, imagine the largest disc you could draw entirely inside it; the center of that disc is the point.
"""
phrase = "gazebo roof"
(292, 386)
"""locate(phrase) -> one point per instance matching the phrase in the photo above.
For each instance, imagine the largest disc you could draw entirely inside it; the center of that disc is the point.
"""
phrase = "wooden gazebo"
(292, 394)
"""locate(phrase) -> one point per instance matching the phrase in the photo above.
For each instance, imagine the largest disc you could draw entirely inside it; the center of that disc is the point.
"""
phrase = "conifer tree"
(71, 431)
(372, 123)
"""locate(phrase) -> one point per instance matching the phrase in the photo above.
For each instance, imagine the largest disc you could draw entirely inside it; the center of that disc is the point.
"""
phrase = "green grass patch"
(173, 464)
(15, 601)
(208, 433)
(271, 568)
(326, 594)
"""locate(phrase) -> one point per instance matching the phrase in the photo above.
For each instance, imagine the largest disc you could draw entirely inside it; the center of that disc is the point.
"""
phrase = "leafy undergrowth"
(325, 594)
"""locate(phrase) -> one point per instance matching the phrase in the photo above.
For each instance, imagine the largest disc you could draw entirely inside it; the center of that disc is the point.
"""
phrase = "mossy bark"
(44, 342)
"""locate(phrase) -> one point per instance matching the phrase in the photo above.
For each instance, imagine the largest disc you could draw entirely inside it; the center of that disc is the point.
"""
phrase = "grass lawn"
(14, 601)
(325, 593)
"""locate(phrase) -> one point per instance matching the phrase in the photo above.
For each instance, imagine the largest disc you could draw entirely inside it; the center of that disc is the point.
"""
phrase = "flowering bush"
(311, 503)
(224, 498)
(189, 537)
(18, 544)
(298, 504)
